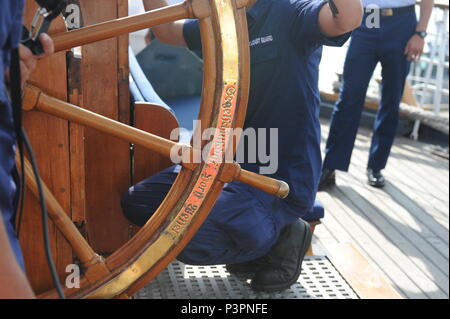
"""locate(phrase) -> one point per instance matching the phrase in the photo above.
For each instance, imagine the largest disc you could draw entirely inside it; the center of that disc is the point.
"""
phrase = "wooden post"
(107, 159)
(87, 171)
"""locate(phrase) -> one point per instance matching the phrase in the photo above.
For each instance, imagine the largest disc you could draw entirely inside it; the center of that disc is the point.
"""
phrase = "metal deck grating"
(319, 279)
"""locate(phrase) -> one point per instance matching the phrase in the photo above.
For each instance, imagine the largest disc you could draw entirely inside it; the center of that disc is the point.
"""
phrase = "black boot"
(375, 178)
(283, 264)
(247, 267)
(327, 179)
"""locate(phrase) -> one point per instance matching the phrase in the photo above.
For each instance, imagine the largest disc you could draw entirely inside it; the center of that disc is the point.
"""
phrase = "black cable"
(16, 99)
(22, 140)
(22, 193)
(43, 205)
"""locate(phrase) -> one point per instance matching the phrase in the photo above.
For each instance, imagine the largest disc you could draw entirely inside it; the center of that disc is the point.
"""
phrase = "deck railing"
(429, 75)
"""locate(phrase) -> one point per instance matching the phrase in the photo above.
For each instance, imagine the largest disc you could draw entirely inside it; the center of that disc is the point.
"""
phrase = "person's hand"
(47, 45)
(28, 61)
(414, 48)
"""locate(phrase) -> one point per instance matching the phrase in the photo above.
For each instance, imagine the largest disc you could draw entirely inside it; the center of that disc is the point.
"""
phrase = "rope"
(438, 122)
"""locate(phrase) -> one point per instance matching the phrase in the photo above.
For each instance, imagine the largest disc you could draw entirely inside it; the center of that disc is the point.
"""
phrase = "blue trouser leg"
(240, 227)
(395, 69)
(359, 65)
(8, 179)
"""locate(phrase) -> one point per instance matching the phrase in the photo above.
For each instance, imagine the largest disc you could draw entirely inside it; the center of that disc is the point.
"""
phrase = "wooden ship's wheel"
(53, 122)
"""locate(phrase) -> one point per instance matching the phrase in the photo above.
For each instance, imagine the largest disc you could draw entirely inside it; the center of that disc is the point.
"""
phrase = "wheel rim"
(184, 209)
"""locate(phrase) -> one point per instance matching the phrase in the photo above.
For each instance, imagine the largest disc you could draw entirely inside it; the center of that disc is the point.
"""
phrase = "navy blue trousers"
(9, 179)
(368, 47)
(243, 224)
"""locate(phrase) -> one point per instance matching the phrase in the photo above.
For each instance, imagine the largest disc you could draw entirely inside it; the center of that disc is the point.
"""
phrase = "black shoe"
(283, 264)
(375, 178)
(251, 266)
(327, 179)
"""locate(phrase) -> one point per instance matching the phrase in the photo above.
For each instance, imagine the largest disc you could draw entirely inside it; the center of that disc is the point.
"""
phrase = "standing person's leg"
(358, 69)
(395, 68)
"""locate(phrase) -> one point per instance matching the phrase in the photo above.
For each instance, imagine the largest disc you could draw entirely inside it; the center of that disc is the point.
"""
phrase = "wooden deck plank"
(403, 228)
(413, 230)
(426, 259)
(413, 215)
(438, 227)
(417, 196)
(405, 172)
(417, 217)
(429, 176)
(414, 187)
(361, 215)
(341, 215)
(404, 152)
(421, 148)
(422, 171)
(420, 212)
(334, 227)
(430, 227)
(366, 281)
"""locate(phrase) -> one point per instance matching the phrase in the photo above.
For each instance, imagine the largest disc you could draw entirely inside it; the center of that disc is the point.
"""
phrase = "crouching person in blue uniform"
(247, 229)
(11, 261)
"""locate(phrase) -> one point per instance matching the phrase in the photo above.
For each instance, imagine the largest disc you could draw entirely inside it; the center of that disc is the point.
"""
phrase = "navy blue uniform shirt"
(285, 44)
(10, 32)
